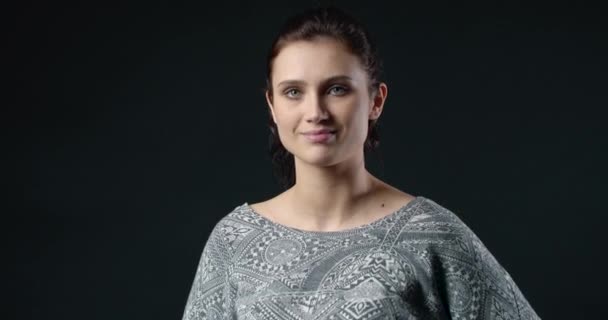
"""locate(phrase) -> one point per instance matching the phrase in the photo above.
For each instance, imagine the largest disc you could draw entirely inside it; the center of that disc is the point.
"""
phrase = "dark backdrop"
(136, 126)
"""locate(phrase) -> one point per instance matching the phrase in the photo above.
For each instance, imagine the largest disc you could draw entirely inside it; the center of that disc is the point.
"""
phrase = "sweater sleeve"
(472, 284)
(212, 294)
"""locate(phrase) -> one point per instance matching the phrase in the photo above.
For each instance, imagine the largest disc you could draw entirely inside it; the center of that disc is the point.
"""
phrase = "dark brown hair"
(331, 22)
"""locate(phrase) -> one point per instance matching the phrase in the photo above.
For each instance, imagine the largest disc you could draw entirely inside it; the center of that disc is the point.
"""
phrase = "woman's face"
(319, 84)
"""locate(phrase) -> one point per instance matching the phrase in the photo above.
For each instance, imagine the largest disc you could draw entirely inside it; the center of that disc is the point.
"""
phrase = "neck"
(324, 198)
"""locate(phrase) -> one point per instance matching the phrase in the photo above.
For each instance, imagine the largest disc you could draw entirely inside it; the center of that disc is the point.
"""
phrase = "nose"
(315, 109)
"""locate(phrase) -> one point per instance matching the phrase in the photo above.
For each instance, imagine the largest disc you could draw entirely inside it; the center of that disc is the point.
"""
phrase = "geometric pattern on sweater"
(419, 262)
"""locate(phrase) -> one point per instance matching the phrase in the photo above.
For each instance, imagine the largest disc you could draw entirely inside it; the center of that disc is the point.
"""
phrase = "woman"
(339, 243)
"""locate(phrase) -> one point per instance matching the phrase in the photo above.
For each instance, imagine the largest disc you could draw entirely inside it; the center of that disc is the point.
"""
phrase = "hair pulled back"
(331, 22)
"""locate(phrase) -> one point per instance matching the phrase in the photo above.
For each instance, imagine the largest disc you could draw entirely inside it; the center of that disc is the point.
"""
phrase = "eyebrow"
(330, 79)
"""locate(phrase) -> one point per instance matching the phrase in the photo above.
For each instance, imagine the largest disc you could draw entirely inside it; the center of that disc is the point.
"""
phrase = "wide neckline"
(357, 229)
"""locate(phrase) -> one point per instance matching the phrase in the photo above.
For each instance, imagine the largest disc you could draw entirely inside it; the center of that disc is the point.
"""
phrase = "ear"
(378, 100)
(271, 108)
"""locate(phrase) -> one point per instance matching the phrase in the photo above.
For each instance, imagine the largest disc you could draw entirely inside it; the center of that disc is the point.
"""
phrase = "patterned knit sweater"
(419, 262)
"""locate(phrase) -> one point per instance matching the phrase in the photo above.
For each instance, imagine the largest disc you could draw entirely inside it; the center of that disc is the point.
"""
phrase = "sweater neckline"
(404, 208)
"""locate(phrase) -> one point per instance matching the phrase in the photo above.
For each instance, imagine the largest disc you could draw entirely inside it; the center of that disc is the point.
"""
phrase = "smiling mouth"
(321, 137)
(321, 132)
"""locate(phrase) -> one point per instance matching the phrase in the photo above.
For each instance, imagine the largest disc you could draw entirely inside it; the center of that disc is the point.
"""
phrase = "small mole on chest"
(383, 205)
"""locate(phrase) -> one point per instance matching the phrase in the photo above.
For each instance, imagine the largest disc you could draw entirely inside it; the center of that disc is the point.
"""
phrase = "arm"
(472, 284)
(211, 295)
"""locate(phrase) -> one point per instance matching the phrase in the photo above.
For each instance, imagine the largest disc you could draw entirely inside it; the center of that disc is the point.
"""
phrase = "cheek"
(358, 123)
(355, 112)
(286, 123)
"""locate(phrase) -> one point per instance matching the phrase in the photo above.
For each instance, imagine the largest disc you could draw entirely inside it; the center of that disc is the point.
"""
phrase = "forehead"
(315, 60)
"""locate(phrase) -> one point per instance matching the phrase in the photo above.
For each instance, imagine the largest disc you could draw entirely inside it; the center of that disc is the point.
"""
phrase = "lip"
(320, 131)
(322, 137)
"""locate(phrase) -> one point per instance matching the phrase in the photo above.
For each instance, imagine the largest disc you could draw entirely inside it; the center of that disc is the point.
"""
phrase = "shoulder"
(237, 225)
(467, 275)
(452, 244)
(441, 222)
(238, 216)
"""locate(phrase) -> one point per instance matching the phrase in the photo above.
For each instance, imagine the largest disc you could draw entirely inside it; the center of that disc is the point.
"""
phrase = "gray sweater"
(419, 262)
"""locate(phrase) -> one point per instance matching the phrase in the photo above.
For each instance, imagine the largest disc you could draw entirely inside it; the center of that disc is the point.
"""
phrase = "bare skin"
(379, 202)
(333, 189)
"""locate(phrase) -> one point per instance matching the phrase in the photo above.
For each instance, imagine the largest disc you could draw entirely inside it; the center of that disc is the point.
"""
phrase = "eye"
(290, 92)
(341, 90)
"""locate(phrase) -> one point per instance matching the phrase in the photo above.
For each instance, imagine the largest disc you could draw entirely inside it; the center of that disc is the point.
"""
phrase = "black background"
(136, 126)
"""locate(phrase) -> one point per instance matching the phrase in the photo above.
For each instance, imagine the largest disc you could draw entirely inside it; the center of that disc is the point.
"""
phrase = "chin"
(320, 158)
